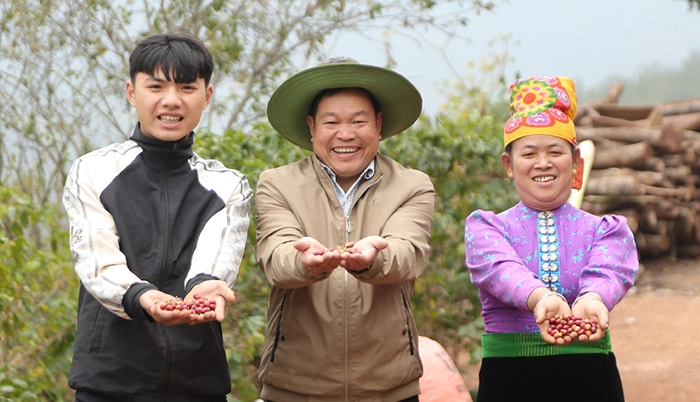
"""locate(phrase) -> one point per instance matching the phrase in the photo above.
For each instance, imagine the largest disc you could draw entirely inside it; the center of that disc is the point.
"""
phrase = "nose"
(543, 160)
(171, 98)
(346, 131)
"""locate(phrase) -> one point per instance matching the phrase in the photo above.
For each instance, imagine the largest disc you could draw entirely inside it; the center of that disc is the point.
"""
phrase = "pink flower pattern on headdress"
(563, 97)
(540, 119)
(559, 115)
(547, 103)
(513, 124)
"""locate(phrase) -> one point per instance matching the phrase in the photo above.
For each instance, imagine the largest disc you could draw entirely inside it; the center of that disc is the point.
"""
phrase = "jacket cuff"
(197, 279)
(131, 303)
(374, 268)
(307, 273)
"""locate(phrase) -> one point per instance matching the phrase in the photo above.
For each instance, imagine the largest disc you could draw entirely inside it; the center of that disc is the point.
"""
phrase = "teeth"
(543, 178)
(169, 119)
(345, 150)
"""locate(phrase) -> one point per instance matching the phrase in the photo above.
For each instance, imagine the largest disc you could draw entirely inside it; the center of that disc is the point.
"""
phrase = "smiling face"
(542, 167)
(345, 132)
(167, 110)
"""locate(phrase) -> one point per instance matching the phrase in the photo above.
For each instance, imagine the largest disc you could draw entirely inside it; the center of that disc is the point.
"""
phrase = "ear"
(379, 121)
(507, 163)
(312, 125)
(208, 96)
(130, 92)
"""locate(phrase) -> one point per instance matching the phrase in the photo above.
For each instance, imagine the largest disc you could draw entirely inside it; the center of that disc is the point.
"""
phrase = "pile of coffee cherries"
(345, 248)
(197, 305)
(569, 328)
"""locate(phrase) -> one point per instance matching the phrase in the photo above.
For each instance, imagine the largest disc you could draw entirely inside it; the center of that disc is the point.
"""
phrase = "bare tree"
(63, 64)
(693, 5)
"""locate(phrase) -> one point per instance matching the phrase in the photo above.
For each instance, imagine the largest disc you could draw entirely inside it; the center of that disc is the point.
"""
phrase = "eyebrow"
(334, 114)
(551, 145)
(155, 78)
(163, 80)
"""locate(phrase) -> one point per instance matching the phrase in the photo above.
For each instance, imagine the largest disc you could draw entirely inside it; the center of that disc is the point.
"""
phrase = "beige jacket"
(342, 336)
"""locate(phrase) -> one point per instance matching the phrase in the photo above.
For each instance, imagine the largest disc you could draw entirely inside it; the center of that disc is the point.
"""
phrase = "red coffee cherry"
(567, 328)
(196, 305)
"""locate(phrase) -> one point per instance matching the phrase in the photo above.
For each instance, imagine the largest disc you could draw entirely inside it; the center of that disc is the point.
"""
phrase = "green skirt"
(531, 344)
(522, 367)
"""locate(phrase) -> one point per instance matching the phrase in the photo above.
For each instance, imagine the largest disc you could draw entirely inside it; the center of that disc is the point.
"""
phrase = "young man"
(340, 324)
(151, 221)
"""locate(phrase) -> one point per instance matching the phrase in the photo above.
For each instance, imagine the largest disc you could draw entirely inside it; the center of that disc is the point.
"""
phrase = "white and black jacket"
(147, 214)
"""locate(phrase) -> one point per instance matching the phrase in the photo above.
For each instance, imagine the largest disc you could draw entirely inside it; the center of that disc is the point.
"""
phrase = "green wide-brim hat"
(399, 100)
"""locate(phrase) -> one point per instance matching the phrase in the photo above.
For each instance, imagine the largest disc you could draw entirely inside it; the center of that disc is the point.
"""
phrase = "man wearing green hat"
(341, 236)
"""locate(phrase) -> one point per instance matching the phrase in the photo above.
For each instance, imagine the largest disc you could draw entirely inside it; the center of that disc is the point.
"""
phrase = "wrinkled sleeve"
(277, 228)
(494, 265)
(408, 233)
(99, 263)
(612, 261)
(222, 242)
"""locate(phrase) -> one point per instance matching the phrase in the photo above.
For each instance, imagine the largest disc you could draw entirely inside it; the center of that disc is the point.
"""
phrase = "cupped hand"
(316, 257)
(592, 307)
(216, 290)
(153, 300)
(364, 253)
(547, 308)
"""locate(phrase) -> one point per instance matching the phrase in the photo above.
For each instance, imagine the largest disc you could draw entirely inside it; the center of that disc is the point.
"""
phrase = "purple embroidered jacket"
(596, 254)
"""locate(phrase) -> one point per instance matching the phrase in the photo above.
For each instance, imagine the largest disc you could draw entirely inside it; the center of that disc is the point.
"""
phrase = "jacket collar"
(179, 150)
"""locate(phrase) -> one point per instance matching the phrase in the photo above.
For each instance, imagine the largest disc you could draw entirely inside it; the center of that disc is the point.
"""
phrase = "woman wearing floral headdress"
(544, 259)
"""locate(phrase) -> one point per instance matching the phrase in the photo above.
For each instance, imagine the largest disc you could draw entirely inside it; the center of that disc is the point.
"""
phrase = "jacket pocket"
(97, 330)
(278, 328)
(409, 322)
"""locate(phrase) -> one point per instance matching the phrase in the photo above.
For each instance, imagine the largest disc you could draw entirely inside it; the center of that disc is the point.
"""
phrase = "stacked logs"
(646, 167)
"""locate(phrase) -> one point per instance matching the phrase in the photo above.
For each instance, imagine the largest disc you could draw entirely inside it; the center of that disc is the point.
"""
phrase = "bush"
(38, 301)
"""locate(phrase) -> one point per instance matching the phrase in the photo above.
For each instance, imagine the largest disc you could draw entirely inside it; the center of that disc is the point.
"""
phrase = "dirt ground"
(653, 334)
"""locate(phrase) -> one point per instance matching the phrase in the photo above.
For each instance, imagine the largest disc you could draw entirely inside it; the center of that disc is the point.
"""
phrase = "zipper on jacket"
(166, 220)
(348, 230)
(348, 225)
(347, 335)
(163, 267)
(346, 324)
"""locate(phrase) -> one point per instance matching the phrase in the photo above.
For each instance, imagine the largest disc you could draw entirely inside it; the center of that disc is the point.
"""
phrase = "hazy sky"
(586, 40)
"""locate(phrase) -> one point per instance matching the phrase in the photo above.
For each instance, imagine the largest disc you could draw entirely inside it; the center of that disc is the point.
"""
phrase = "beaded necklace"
(548, 247)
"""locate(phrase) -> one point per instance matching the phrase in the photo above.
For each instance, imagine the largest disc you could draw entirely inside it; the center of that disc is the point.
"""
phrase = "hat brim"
(399, 100)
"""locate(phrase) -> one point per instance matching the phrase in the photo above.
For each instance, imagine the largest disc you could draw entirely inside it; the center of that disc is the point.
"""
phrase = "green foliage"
(460, 149)
(244, 327)
(38, 300)
(462, 156)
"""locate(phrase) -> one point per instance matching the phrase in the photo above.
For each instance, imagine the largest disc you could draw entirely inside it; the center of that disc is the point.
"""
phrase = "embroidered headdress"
(541, 105)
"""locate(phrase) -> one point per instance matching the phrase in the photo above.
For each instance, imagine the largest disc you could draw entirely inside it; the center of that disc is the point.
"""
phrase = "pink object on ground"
(441, 381)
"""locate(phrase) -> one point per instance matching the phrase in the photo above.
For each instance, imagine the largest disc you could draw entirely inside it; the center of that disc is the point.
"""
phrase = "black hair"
(180, 55)
(332, 91)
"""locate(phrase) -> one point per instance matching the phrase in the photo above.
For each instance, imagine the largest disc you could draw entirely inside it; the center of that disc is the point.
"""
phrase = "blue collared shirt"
(346, 198)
